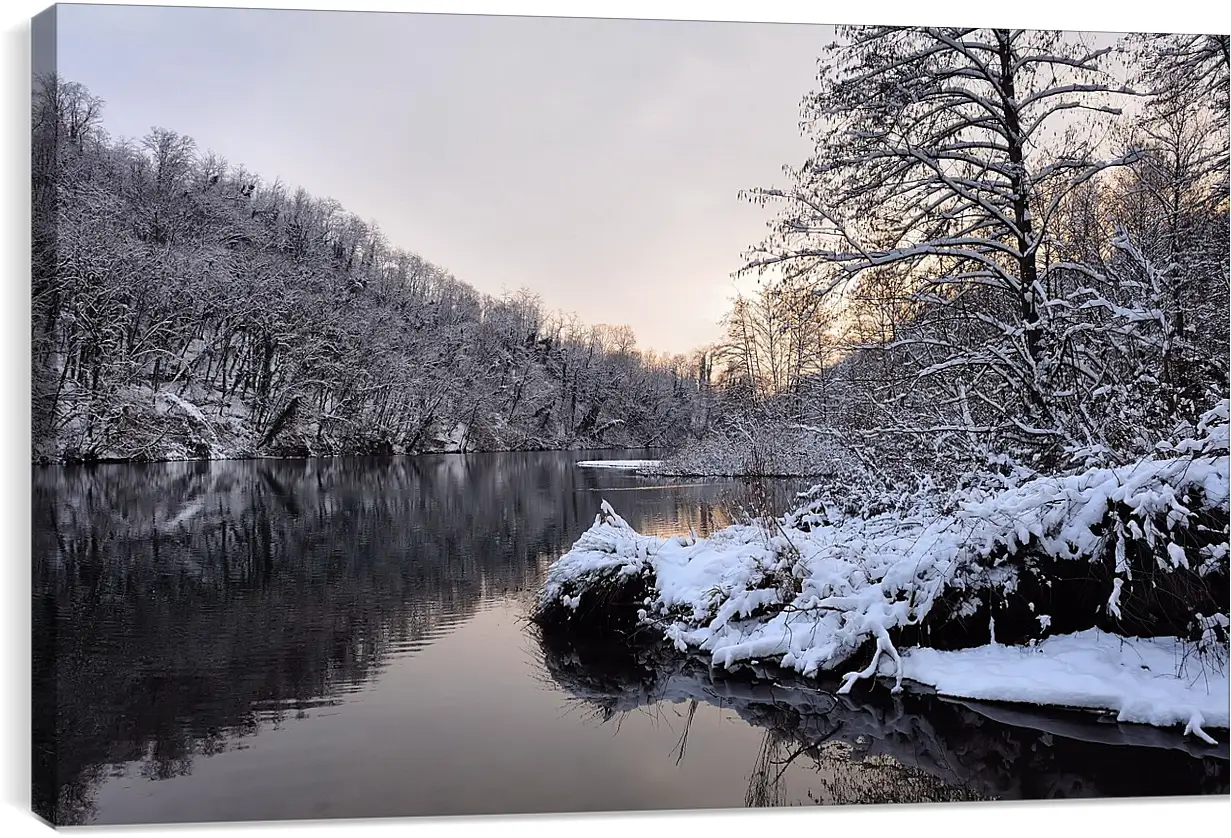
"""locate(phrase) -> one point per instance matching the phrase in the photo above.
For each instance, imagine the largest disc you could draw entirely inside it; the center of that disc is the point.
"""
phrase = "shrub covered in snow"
(1139, 550)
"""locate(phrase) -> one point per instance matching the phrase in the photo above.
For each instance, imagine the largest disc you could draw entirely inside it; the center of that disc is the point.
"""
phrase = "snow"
(807, 591)
(1154, 681)
(619, 464)
(609, 545)
(452, 442)
(186, 406)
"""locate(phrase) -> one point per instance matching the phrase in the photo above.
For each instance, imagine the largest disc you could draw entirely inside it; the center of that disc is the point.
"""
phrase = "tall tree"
(945, 155)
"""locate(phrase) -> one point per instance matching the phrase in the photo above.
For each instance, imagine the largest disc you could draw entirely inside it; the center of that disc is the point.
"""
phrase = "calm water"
(346, 638)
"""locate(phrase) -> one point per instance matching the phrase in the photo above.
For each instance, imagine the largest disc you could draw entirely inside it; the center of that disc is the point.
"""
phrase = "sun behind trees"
(1006, 243)
(183, 307)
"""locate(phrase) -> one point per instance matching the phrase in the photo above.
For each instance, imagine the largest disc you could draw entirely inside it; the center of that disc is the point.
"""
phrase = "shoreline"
(1031, 715)
(1043, 594)
(63, 463)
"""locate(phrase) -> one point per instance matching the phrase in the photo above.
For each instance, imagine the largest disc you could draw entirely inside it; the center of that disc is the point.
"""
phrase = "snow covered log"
(602, 589)
(1139, 550)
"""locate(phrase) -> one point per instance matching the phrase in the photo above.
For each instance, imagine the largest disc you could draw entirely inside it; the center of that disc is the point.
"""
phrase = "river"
(346, 637)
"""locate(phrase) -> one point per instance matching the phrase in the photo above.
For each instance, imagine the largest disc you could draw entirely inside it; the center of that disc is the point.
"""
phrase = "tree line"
(183, 306)
(1007, 248)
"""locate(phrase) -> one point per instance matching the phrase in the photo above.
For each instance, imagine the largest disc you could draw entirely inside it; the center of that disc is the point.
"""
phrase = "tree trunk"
(1027, 266)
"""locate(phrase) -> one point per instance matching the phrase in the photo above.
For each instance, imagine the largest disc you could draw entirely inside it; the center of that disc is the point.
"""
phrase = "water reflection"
(179, 608)
(369, 609)
(882, 748)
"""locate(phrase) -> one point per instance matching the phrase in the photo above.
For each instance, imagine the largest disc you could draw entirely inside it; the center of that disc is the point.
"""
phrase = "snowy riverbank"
(1154, 681)
(1073, 570)
(200, 424)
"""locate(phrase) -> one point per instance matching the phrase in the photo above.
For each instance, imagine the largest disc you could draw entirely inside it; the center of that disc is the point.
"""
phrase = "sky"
(595, 162)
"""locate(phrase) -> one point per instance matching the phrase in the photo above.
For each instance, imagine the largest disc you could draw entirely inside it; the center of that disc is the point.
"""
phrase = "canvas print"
(460, 415)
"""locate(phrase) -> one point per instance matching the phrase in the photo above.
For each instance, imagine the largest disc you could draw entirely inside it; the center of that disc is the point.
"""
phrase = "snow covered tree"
(1151, 296)
(1181, 69)
(945, 155)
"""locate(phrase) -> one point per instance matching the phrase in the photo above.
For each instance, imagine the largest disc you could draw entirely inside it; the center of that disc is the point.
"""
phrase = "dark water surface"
(345, 638)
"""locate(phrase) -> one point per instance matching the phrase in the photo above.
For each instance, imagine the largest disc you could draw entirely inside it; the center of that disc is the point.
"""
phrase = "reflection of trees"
(843, 776)
(907, 748)
(179, 607)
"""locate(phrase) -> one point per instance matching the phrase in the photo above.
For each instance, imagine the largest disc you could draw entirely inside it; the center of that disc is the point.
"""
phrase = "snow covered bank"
(1139, 550)
(194, 423)
(630, 465)
(189, 421)
(1154, 681)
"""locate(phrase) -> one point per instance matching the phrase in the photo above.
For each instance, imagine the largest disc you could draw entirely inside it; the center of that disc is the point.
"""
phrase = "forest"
(1007, 252)
(1009, 249)
(183, 307)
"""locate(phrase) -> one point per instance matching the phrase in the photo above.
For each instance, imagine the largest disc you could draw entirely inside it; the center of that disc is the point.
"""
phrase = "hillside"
(185, 308)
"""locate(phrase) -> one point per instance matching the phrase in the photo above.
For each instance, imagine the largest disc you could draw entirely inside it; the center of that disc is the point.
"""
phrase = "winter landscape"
(936, 509)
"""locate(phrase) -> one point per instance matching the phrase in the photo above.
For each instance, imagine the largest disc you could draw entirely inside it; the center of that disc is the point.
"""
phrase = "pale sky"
(596, 162)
